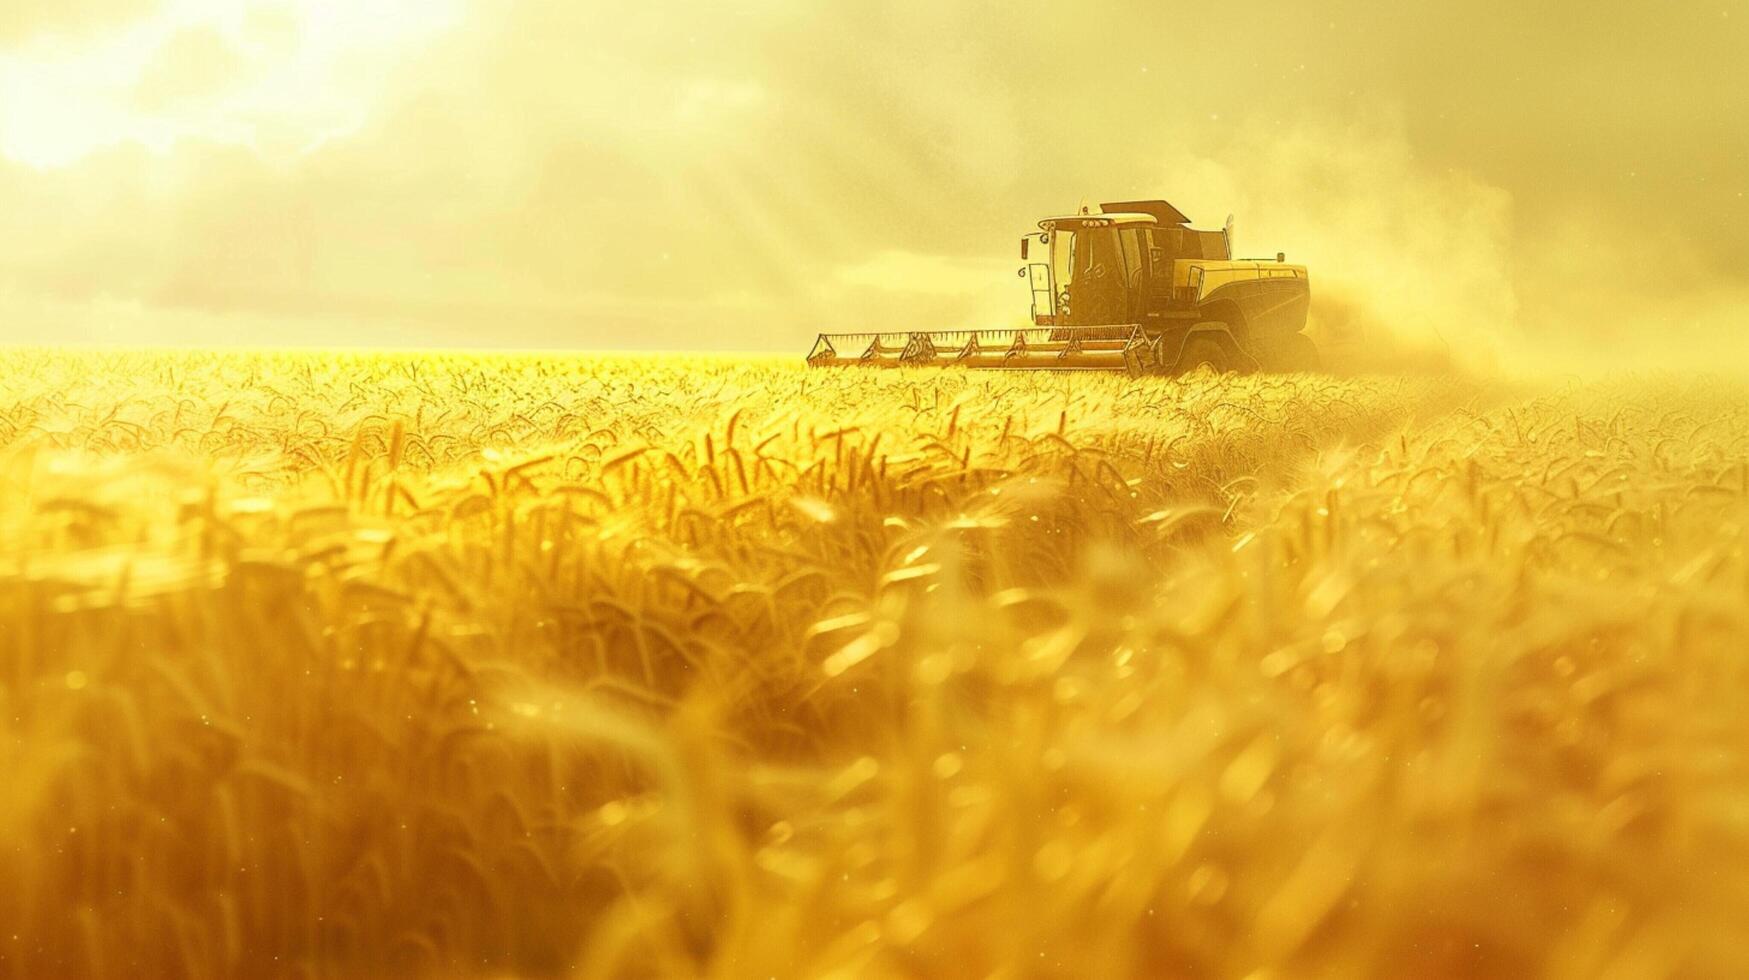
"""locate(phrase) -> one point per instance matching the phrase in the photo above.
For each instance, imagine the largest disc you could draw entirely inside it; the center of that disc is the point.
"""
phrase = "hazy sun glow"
(275, 75)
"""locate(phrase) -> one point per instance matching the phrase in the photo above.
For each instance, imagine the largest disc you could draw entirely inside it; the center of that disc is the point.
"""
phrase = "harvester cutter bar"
(1115, 347)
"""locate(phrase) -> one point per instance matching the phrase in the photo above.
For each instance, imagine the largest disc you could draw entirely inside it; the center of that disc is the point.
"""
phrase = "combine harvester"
(1131, 288)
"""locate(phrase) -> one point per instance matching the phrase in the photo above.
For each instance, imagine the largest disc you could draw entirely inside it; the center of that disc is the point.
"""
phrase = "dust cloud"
(1416, 265)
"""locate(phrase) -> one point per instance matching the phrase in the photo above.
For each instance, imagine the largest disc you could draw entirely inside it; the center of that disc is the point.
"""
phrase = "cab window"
(1213, 244)
(1101, 249)
(1129, 240)
(1063, 257)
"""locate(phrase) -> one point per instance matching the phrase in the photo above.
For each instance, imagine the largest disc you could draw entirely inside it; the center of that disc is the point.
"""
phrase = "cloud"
(22, 20)
(274, 75)
(194, 64)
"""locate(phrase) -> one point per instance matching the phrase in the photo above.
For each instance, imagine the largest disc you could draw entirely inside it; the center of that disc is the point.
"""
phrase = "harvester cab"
(1114, 266)
(1129, 287)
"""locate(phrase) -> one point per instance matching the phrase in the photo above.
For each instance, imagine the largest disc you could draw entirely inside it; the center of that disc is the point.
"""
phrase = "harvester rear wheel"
(1201, 352)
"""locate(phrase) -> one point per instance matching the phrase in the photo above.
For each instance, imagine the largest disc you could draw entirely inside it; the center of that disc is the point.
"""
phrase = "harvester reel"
(1141, 353)
(919, 349)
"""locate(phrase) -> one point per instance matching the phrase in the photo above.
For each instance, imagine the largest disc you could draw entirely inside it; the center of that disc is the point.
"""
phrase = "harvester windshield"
(1062, 270)
(1094, 267)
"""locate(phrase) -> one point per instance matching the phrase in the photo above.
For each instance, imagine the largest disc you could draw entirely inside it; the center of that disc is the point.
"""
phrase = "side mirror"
(1281, 256)
(1023, 243)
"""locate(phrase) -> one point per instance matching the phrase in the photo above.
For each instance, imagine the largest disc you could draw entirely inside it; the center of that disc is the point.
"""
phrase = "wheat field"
(449, 665)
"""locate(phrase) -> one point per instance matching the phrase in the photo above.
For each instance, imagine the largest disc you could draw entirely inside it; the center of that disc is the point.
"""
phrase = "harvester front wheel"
(1201, 352)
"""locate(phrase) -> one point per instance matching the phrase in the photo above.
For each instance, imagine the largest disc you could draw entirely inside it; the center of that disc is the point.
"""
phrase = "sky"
(1493, 176)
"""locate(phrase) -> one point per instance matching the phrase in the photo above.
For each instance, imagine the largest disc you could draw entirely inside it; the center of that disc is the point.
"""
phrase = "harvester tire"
(1201, 352)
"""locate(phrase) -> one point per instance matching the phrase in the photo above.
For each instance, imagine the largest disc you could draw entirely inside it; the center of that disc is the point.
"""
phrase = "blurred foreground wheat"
(345, 666)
